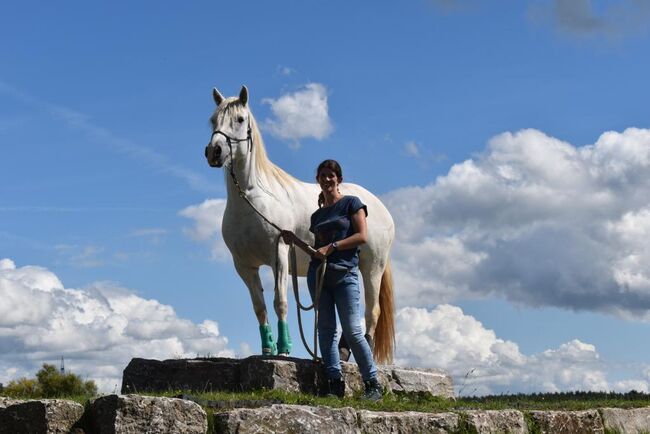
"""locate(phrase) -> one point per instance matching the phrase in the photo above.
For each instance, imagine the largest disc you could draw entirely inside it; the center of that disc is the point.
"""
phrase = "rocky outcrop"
(626, 421)
(260, 372)
(46, 416)
(496, 421)
(568, 422)
(122, 414)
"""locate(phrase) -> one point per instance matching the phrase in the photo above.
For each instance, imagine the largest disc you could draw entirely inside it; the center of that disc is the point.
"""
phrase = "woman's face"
(328, 180)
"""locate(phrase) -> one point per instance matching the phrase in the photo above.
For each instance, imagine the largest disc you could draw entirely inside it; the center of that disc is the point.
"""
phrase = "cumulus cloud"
(98, 329)
(207, 217)
(535, 220)
(482, 364)
(299, 115)
(579, 17)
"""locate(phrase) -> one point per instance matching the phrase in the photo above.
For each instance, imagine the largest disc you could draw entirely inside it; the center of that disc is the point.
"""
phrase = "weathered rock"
(46, 416)
(569, 422)
(6, 402)
(144, 375)
(283, 373)
(496, 421)
(122, 414)
(431, 382)
(632, 421)
(263, 372)
(287, 419)
(408, 422)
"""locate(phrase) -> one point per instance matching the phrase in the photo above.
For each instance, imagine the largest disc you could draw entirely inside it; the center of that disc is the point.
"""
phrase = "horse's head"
(231, 129)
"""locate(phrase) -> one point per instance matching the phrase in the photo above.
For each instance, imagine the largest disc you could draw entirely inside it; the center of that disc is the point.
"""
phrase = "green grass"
(555, 401)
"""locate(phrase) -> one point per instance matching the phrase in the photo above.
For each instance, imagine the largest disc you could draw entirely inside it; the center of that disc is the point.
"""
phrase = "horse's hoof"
(283, 354)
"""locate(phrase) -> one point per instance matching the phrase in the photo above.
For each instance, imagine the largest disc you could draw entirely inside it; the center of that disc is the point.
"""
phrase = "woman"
(339, 226)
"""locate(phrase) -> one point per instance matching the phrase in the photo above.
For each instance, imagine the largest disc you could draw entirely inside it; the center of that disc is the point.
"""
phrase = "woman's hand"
(324, 251)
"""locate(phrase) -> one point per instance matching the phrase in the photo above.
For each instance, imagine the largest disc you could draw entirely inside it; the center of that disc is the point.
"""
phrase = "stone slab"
(263, 372)
(125, 414)
(496, 421)
(407, 422)
(45, 416)
(627, 421)
(568, 422)
(282, 418)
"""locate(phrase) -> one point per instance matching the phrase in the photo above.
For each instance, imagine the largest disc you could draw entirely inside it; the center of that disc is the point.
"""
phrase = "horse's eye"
(240, 119)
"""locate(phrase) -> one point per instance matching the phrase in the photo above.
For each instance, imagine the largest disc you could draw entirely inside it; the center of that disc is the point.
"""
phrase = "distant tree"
(50, 383)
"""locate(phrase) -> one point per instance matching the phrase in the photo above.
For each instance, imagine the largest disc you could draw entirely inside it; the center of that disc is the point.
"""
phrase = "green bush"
(50, 383)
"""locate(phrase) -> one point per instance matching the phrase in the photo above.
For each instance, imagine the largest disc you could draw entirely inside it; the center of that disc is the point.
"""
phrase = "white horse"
(236, 142)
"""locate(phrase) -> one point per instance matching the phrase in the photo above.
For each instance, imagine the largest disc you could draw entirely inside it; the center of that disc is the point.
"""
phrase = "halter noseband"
(230, 140)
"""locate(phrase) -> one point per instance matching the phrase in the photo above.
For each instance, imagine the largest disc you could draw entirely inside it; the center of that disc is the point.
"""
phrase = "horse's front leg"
(281, 273)
(251, 277)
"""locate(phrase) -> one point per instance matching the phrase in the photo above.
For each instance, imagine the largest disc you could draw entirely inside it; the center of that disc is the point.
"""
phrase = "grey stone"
(213, 374)
(632, 421)
(408, 422)
(263, 372)
(6, 402)
(496, 421)
(46, 416)
(283, 373)
(569, 422)
(122, 414)
(431, 382)
(287, 419)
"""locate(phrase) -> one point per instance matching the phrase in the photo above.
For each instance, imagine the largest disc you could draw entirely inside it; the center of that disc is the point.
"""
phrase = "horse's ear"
(243, 95)
(218, 98)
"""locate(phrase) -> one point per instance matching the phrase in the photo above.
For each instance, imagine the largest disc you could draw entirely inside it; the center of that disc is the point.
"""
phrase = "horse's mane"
(265, 167)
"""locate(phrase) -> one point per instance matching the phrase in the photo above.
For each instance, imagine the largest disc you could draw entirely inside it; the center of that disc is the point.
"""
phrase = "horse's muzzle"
(213, 154)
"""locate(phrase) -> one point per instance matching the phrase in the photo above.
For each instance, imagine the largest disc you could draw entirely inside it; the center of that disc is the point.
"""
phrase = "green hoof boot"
(268, 344)
(284, 339)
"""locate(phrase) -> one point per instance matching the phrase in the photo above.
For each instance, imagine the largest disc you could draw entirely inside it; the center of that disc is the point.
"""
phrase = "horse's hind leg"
(372, 284)
(251, 277)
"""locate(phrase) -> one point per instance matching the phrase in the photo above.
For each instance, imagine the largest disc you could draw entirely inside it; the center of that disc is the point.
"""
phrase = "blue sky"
(104, 113)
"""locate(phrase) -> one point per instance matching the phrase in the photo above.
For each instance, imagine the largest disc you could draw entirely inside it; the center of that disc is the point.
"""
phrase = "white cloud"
(481, 363)
(300, 115)
(207, 217)
(588, 18)
(284, 70)
(412, 149)
(97, 329)
(535, 220)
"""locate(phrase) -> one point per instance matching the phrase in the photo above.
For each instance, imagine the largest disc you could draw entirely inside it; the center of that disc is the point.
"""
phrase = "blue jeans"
(341, 290)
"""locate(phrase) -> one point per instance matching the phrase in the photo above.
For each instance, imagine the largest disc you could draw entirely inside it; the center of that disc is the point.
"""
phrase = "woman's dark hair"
(335, 167)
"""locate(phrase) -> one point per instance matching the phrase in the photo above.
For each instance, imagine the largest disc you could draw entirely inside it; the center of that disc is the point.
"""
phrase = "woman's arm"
(359, 237)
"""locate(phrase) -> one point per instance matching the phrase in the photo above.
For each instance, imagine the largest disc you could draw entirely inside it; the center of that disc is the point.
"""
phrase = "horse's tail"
(384, 339)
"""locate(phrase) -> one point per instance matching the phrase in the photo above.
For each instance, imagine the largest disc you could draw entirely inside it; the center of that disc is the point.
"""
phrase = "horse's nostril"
(218, 150)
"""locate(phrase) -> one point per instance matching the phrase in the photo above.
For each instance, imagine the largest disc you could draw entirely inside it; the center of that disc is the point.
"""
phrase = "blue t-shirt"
(333, 223)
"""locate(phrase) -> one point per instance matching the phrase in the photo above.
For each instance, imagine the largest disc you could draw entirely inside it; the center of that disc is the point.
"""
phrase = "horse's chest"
(246, 235)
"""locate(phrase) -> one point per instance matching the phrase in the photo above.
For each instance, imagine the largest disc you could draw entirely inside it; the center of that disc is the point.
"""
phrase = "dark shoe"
(373, 390)
(336, 388)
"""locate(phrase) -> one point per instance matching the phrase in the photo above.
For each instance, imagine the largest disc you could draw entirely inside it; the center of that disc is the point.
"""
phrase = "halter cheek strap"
(230, 140)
